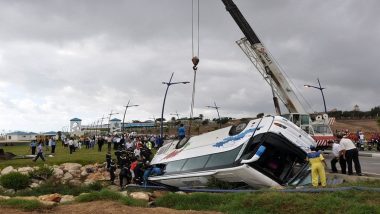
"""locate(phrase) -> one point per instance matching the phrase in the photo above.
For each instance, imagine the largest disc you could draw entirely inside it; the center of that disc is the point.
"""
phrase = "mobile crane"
(255, 50)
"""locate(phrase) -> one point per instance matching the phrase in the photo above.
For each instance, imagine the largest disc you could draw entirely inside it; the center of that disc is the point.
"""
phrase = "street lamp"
(109, 120)
(126, 107)
(101, 125)
(217, 110)
(176, 113)
(321, 89)
(168, 84)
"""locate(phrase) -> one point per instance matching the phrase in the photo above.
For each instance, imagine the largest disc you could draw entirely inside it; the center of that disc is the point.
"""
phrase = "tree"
(201, 116)
(172, 119)
(205, 122)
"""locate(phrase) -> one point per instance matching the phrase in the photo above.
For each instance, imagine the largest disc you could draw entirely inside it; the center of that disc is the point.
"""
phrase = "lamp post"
(176, 113)
(321, 89)
(217, 110)
(101, 124)
(109, 120)
(126, 107)
(168, 84)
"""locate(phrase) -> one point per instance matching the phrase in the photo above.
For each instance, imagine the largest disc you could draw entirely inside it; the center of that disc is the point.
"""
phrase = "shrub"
(44, 172)
(15, 180)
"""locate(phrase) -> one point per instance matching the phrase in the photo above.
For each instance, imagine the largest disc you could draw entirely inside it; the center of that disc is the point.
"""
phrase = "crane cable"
(194, 59)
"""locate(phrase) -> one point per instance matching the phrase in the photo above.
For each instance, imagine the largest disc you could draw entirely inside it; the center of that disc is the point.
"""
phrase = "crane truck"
(255, 50)
(263, 152)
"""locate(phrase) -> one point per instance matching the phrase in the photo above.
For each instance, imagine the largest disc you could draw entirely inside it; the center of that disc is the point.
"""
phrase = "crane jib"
(241, 21)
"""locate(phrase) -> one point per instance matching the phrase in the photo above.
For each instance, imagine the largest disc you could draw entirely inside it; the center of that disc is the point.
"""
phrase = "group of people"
(133, 155)
(344, 151)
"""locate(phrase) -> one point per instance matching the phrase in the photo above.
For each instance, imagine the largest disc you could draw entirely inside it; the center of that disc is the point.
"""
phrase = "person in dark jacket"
(33, 146)
(124, 176)
(108, 160)
(112, 171)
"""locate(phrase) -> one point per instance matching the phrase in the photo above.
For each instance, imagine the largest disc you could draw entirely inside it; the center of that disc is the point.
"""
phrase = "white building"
(20, 136)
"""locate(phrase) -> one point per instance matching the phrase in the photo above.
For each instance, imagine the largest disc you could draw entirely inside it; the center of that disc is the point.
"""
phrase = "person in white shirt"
(137, 152)
(71, 145)
(350, 153)
(338, 156)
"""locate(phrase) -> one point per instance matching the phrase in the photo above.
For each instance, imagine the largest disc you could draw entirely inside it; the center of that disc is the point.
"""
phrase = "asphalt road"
(368, 164)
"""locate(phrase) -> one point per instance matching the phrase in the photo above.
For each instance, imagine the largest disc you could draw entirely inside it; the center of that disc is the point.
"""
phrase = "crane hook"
(195, 61)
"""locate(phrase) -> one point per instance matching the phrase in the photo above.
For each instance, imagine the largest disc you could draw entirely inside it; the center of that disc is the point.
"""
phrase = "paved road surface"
(368, 164)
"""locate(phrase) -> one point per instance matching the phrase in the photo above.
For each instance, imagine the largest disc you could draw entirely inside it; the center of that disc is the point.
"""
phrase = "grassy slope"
(276, 202)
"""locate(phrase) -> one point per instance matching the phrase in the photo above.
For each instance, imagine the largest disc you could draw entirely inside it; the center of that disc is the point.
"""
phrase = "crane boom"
(269, 69)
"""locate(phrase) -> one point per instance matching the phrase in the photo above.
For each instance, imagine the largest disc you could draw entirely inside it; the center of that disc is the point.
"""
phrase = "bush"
(15, 180)
(44, 172)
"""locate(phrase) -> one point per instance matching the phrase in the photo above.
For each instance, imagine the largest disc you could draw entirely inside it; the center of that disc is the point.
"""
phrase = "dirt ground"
(367, 126)
(101, 207)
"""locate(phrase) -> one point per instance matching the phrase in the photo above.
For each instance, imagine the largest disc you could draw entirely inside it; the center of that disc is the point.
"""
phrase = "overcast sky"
(66, 59)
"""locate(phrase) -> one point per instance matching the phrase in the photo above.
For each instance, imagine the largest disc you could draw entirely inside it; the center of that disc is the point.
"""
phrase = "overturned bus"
(265, 152)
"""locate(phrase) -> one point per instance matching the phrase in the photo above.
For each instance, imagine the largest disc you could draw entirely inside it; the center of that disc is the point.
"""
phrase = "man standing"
(53, 144)
(350, 153)
(33, 146)
(181, 132)
(39, 153)
(100, 143)
(338, 156)
(71, 145)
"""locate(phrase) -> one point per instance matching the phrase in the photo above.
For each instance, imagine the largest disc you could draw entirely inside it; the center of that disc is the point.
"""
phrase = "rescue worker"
(112, 171)
(338, 156)
(318, 164)
(350, 154)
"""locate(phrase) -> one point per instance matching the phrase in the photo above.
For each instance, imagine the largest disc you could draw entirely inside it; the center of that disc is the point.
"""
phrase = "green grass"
(63, 189)
(101, 195)
(28, 205)
(276, 202)
(82, 156)
(112, 196)
(368, 183)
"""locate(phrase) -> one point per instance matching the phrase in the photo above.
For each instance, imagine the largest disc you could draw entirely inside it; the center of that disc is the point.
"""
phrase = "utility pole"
(168, 84)
(217, 110)
(126, 107)
(109, 121)
(321, 89)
